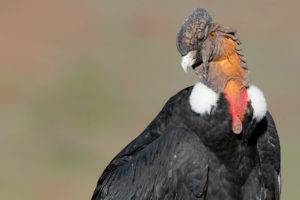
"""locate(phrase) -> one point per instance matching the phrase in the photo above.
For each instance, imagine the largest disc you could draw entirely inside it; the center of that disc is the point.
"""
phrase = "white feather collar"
(203, 99)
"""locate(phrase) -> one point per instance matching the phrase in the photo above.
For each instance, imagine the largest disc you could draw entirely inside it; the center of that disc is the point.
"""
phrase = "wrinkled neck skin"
(225, 75)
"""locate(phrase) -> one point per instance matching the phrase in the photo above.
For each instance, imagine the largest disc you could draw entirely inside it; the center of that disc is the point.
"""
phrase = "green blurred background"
(80, 79)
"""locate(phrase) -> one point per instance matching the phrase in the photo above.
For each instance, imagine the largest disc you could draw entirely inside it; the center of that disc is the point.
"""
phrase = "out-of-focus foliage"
(80, 79)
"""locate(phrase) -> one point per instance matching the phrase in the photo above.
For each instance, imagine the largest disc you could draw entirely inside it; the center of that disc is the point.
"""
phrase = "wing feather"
(172, 166)
(268, 146)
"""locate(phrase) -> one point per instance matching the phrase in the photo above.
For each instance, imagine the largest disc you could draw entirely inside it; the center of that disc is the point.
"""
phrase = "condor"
(211, 141)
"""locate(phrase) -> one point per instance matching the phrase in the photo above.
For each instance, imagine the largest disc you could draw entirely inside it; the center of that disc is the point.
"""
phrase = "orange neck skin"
(227, 75)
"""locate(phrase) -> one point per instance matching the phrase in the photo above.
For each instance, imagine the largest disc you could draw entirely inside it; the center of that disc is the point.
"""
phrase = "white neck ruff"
(203, 99)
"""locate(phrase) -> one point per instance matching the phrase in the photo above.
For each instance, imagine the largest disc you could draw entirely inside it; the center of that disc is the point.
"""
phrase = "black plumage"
(184, 155)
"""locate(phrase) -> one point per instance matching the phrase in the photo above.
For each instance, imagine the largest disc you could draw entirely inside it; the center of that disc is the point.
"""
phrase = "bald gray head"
(190, 39)
(200, 41)
(193, 31)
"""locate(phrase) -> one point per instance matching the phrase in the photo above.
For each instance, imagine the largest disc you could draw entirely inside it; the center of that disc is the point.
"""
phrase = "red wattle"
(237, 100)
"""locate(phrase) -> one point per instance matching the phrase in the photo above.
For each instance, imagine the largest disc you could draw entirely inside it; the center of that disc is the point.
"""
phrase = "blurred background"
(80, 79)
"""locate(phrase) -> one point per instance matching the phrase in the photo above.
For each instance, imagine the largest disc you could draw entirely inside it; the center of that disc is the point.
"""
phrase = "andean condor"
(211, 141)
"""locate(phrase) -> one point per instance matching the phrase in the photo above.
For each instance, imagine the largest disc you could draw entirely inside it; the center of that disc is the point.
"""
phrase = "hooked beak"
(188, 60)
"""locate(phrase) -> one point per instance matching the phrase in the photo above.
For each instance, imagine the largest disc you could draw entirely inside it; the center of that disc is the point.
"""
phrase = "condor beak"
(188, 60)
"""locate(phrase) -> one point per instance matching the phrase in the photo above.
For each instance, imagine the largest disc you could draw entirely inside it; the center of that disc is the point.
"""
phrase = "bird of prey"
(215, 140)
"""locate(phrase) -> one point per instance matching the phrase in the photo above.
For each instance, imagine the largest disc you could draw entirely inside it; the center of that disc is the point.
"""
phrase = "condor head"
(212, 50)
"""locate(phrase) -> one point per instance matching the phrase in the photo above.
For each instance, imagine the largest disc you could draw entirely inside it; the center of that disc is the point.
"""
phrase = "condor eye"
(212, 35)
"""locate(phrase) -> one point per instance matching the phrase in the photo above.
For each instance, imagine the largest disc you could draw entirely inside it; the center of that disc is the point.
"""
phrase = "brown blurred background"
(80, 79)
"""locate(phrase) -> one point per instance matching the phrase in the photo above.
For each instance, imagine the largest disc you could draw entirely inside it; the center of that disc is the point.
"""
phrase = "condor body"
(211, 141)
